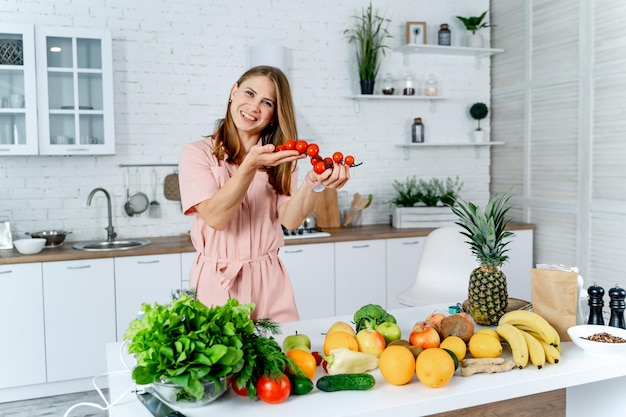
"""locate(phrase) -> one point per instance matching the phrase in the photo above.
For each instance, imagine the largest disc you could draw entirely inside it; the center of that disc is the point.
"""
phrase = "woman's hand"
(333, 178)
(264, 156)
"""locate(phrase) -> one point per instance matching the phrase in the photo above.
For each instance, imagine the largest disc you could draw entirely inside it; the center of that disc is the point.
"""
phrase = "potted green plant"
(368, 35)
(478, 111)
(422, 203)
(473, 24)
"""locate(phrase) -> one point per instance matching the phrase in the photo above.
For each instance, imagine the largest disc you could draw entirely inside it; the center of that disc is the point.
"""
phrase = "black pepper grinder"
(596, 302)
(617, 305)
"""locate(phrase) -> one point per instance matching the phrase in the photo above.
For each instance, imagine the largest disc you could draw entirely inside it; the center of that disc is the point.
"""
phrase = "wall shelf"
(370, 97)
(477, 53)
(408, 146)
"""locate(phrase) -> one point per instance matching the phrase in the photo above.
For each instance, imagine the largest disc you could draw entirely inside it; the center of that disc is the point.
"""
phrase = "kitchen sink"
(96, 245)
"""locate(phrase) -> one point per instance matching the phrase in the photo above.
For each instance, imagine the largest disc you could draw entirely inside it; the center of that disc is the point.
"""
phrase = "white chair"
(444, 270)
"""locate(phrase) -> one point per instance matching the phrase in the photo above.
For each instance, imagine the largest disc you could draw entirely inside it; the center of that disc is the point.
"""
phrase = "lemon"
(490, 332)
(456, 345)
(483, 345)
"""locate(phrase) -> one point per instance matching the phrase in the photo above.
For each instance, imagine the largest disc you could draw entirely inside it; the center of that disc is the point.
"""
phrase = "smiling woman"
(240, 191)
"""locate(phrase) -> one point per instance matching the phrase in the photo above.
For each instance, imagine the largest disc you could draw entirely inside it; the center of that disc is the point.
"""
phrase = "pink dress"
(242, 260)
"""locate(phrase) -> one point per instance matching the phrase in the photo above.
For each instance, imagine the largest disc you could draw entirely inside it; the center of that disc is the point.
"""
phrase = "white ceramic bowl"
(577, 333)
(29, 246)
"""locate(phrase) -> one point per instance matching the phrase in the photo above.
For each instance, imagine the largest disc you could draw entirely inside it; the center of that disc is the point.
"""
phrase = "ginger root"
(482, 361)
(486, 367)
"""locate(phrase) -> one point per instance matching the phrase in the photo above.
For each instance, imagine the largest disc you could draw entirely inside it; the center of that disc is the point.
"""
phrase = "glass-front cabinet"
(75, 91)
(18, 90)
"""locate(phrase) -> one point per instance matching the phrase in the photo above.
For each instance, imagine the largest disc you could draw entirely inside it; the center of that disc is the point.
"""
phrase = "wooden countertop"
(182, 243)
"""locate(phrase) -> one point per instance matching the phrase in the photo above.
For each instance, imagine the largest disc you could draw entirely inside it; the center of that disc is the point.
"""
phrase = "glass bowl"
(578, 333)
(174, 395)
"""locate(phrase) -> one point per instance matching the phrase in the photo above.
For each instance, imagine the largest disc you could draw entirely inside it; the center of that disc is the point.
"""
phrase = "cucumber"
(300, 385)
(345, 382)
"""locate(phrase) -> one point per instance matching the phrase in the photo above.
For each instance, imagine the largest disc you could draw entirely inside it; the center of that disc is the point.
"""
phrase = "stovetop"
(302, 233)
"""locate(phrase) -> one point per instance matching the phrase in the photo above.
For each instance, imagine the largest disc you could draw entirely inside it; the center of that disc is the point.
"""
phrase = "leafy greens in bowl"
(189, 344)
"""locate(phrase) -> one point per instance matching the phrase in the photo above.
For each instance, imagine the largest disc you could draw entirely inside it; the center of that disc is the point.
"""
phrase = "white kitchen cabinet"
(403, 257)
(79, 307)
(359, 275)
(18, 92)
(143, 279)
(22, 351)
(186, 262)
(311, 270)
(75, 91)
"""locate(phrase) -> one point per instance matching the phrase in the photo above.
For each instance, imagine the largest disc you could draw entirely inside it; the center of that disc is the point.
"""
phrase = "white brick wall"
(174, 62)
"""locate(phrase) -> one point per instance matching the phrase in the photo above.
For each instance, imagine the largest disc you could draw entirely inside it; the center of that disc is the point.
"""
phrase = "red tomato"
(349, 160)
(338, 157)
(240, 391)
(291, 144)
(315, 159)
(273, 391)
(280, 148)
(301, 146)
(312, 150)
(319, 167)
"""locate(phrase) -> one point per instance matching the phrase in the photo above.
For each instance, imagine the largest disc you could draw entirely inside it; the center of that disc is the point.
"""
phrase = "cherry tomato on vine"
(291, 144)
(312, 150)
(319, 167)
(315, 159)
(329, 160)
(273, 391)
(280, 148)
(301, 146)
(338, 157)
(349, 160)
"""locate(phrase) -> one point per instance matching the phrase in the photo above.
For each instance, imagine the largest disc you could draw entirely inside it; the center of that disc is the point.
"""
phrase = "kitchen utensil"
(138, 201)
(128, 207)
(580, 332)
(154, 210)
(54, 238)
(157, 407)
(358, 207)
(327, 209)
(29, 246)
(171, 188)
(310, 222)
(172, 394)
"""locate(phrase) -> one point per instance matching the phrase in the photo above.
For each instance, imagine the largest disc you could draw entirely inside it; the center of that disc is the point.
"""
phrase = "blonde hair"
(282, 128)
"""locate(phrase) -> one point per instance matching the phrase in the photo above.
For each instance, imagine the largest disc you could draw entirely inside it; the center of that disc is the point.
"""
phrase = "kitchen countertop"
(594, 384)
(182, 243)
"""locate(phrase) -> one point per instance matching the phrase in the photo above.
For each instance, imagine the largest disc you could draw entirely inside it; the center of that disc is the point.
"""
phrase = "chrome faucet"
(110, 230)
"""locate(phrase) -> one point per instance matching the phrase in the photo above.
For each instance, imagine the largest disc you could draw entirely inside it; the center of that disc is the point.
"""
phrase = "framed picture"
(416, 33)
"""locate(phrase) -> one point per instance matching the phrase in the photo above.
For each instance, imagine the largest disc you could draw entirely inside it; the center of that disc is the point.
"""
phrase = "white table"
(595, 385)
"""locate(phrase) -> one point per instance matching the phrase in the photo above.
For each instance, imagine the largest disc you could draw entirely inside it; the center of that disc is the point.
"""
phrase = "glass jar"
(417, 131)
(430, 88)
(444, 36)
(388, 88)
(409, 87)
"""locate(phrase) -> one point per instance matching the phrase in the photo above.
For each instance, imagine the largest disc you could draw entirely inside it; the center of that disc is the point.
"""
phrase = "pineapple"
(487, 293)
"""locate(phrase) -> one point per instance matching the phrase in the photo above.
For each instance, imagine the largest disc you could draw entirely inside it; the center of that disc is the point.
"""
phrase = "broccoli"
(371, 315)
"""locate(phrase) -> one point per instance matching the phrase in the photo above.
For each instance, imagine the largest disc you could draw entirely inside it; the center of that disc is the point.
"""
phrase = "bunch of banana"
(531, 338)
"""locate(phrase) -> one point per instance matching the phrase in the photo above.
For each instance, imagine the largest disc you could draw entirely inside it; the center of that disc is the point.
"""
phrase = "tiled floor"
(56, 406)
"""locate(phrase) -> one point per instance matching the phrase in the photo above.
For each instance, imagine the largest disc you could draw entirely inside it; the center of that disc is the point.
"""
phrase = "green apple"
(297, 341)
(390, 331)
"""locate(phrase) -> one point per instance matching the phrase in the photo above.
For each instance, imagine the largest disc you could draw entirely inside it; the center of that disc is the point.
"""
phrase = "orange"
(340, 339)
(305, 360)
(456, 345)
(397, 365)
(434, 367)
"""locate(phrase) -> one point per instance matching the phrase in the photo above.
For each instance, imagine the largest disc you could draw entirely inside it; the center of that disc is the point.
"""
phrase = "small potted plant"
(473, 24)
(421, 203)
(478, 111)
(368, 35)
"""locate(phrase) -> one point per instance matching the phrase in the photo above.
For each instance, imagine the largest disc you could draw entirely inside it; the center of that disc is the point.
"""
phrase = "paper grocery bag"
(555, 298)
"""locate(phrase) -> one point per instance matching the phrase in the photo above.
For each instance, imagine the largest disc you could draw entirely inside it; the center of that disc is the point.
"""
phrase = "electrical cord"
(107, 405)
